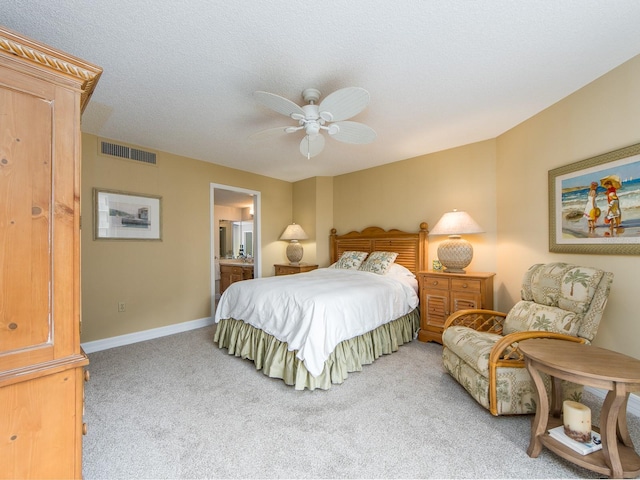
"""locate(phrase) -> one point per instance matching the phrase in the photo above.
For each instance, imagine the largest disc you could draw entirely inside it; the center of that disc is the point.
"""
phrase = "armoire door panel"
(25, 222)
(41, 426)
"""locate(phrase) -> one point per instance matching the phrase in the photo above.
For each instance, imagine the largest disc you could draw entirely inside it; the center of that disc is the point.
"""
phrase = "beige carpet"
(178, 407)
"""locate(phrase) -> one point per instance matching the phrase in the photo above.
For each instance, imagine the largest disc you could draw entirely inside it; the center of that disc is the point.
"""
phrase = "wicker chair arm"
(505, 353)
(477, 319)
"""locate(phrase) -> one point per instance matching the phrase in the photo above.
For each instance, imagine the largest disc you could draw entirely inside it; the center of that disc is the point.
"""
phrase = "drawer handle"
(84, 428)
(464, 285)
(13, 326)
(435, 282)
(87, 376)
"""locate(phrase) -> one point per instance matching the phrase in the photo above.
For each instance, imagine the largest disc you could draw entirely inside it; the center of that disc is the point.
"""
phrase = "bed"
(312, 329)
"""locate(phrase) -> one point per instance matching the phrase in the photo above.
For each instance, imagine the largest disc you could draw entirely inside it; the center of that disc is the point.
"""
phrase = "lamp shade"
(455, 253)
(456, 223)
(293, 233)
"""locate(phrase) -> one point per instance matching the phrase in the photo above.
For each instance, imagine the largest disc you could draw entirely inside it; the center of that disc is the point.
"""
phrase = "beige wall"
(167, 282)
(313, 210)
(599, 118)
(304, 214)
(324, 220)
(403, 194)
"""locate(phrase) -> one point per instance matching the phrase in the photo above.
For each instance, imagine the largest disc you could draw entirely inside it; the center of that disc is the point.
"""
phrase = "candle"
(577, 421)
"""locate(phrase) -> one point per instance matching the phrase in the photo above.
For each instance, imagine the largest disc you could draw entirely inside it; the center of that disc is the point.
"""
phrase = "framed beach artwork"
(594, 205)
(126, 216)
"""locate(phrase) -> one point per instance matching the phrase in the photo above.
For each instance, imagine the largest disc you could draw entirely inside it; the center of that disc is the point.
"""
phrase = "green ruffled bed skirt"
(275, 360)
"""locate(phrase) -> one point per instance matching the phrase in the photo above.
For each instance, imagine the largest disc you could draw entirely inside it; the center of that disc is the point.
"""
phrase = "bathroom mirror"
(234, 215)
(236, 238)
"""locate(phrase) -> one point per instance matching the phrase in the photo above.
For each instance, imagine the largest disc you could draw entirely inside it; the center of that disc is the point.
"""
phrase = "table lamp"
(455, 253)
(293, 233)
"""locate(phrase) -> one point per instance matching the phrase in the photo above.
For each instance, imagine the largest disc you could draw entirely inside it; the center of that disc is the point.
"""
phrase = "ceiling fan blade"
(311, 145)
(278, 103)
(345, 103)
(354, 132)
(268, 133)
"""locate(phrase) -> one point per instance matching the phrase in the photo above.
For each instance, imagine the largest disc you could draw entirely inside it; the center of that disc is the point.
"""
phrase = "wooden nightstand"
(441, 294)
(287, 269)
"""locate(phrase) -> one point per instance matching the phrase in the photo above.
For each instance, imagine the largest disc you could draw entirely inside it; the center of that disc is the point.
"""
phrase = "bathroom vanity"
(234, 271)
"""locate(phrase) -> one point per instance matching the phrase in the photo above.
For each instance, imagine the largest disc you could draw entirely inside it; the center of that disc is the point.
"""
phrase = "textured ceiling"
(179, 75)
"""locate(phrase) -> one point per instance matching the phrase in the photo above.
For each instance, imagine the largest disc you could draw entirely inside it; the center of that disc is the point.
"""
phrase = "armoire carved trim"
(27, 50)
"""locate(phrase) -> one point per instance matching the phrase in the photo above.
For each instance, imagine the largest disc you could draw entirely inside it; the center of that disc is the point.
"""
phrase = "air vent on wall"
(122, 151)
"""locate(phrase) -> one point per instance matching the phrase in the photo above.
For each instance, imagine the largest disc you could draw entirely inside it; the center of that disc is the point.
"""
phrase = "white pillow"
(403, 274)
(398, 270)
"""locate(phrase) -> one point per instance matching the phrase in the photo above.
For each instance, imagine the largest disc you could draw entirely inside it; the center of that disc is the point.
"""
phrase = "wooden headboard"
(412, 248)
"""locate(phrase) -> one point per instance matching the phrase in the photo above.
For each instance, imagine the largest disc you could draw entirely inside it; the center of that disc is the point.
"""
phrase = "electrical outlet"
(121, 306)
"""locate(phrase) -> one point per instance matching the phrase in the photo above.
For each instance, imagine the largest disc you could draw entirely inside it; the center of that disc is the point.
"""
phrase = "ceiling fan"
(313, 119)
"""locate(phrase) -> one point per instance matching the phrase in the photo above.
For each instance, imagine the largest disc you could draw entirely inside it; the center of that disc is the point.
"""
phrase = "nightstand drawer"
(471, 285)
(433, 281)
(284, 269)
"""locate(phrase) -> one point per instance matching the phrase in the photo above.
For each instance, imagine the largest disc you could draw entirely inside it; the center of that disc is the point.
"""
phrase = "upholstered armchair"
(480, 347)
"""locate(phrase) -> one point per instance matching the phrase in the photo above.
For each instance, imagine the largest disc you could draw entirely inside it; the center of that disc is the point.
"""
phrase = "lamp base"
(294, 252)
(455, 254)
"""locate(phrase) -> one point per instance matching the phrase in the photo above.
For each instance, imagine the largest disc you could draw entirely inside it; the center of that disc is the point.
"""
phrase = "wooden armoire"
(43, 92)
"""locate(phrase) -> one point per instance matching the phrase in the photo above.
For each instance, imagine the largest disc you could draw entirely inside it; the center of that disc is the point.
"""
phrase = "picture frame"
(594, 205)
(126, 216)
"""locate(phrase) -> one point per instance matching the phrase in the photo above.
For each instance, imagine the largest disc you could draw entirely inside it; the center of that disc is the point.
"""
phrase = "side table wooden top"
(583, 360)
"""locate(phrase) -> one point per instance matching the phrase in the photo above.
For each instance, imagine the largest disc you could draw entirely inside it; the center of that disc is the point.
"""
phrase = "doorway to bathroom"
(235, 231)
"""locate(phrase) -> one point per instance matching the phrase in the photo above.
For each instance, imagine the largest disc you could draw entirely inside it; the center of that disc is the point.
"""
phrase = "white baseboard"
(633, 404)
(119, 341)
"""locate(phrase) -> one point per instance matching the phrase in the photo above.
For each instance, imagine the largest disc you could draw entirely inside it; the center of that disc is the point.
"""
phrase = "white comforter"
(313, 312)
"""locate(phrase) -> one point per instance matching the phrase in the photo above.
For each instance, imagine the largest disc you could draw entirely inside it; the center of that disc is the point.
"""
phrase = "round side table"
(594, 367)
